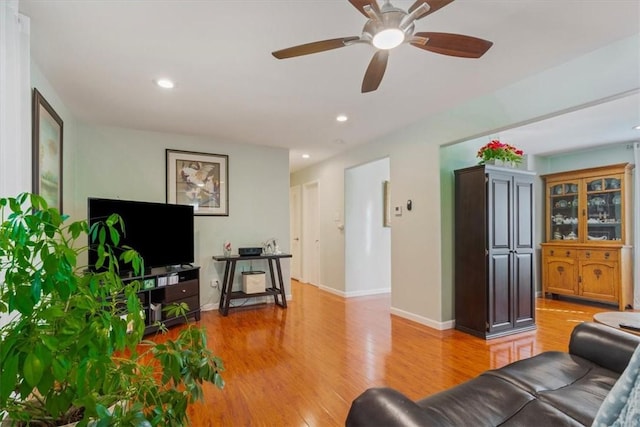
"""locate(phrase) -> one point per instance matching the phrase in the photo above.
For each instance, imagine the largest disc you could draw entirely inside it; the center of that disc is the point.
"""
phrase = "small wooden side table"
(616, 319)
(276, 290)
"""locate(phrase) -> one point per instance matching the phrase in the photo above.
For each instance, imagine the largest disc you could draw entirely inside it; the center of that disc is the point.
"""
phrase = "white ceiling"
(608, 122)
(102, 56)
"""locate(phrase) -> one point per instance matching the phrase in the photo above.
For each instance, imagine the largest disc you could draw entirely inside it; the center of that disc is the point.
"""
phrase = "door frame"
(310, 233)
(295, 230)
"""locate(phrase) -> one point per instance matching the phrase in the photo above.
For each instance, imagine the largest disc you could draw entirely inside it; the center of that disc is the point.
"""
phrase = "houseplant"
(496, 152)
(73, 347)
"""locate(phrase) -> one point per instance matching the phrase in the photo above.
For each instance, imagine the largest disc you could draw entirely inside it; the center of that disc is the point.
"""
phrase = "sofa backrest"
(604, 345)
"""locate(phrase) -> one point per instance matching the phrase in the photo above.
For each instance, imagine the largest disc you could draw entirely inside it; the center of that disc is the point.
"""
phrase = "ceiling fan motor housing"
(391, 18)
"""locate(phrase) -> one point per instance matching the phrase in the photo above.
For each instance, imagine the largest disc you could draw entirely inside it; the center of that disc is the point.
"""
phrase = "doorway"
(367, 239)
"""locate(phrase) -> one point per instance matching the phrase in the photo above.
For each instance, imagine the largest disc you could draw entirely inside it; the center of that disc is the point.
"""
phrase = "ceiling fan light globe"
(388, 39)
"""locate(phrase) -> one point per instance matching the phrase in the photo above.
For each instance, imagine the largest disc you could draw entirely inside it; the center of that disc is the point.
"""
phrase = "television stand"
(162, 287)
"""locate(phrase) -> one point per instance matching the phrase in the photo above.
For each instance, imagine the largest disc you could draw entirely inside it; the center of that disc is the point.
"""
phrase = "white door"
(310, 234)
(295, 215)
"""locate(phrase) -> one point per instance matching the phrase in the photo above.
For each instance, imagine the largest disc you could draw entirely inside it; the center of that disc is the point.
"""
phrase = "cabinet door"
(523, 253)
(598, 279)
(604, 208)
(563, 209)
(560, 275)
(500, 218)
(523, 287)
(500, 293)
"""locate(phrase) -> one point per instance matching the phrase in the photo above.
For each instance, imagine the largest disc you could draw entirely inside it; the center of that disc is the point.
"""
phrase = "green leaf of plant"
(32, 369)
(60, 367)
(46, 382)
(9, 375)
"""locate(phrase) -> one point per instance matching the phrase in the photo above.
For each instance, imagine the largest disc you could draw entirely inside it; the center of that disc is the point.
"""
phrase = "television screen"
(162, 233)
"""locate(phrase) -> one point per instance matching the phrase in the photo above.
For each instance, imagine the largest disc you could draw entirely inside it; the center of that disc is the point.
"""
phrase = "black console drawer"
(182, 290)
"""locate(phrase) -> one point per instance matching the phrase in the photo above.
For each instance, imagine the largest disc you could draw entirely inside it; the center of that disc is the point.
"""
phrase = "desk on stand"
(276, 290)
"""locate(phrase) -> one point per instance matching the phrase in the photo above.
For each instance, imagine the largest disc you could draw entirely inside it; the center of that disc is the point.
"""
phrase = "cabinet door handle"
(184, 291)
(606, 255)
(551, 253)
(588, 254)
(568, 253)
(560, 269)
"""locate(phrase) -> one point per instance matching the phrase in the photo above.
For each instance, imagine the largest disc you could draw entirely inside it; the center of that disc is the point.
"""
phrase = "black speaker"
(249, 251)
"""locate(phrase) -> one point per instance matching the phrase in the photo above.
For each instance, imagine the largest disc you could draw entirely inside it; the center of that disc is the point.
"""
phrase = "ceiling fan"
(388, 27)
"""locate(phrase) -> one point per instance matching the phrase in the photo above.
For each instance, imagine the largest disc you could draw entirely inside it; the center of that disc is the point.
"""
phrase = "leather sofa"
(553, 388)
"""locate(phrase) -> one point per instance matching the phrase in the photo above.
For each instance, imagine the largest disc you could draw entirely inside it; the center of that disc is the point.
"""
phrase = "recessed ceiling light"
(637, 127)
(305, 156)
(165, 83)
(342, 118)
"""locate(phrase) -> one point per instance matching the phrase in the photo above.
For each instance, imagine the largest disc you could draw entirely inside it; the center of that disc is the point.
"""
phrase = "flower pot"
(502, 163)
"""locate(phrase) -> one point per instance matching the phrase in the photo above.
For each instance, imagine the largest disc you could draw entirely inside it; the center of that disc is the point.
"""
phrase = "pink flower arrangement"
(496, 150)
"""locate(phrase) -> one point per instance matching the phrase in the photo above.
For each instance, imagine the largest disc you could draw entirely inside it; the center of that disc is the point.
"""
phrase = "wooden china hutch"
(587, 252)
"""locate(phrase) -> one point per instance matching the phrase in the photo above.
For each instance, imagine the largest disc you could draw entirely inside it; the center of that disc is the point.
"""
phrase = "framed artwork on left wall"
(47, 128)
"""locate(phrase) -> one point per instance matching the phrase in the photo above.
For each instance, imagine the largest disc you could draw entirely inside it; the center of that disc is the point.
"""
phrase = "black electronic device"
(249, 251)
(162, 233)
(633, 326)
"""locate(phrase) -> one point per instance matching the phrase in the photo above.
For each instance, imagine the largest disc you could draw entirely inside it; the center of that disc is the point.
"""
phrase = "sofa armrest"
(383, 406)
(603, 345)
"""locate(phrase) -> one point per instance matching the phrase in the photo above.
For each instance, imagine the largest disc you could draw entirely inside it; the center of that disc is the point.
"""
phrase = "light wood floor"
(302, 366)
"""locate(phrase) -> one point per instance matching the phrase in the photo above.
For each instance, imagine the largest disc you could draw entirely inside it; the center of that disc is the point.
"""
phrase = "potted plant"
(496, 152)
(72, 339)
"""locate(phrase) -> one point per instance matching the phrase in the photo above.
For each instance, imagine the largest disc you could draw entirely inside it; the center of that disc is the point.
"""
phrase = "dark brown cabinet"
(494, 253)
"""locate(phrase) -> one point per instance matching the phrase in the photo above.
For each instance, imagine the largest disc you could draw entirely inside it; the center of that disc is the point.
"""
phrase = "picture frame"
(198, 179)
(47, 136)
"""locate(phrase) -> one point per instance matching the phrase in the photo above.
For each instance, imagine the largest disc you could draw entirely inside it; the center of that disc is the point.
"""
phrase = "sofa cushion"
(538, 413)
(553, 370)
(481, 401)
(568, 383)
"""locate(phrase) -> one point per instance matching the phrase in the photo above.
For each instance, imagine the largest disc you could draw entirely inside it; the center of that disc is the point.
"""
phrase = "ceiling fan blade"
(453, 44)
(360, 4)
(375, 71)
(314, 47)
(434, 5)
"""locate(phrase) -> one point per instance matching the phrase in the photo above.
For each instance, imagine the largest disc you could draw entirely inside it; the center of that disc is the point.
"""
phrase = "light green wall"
(597, 156)
(130, 165)
(452, 157)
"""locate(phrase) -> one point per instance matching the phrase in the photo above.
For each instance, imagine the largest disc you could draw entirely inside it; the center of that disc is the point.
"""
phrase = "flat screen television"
(162, 233)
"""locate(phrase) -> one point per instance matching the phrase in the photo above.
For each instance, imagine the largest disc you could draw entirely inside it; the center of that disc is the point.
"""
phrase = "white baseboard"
(209, 307)
(353, 294)
(440, 326)
(368, 292)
